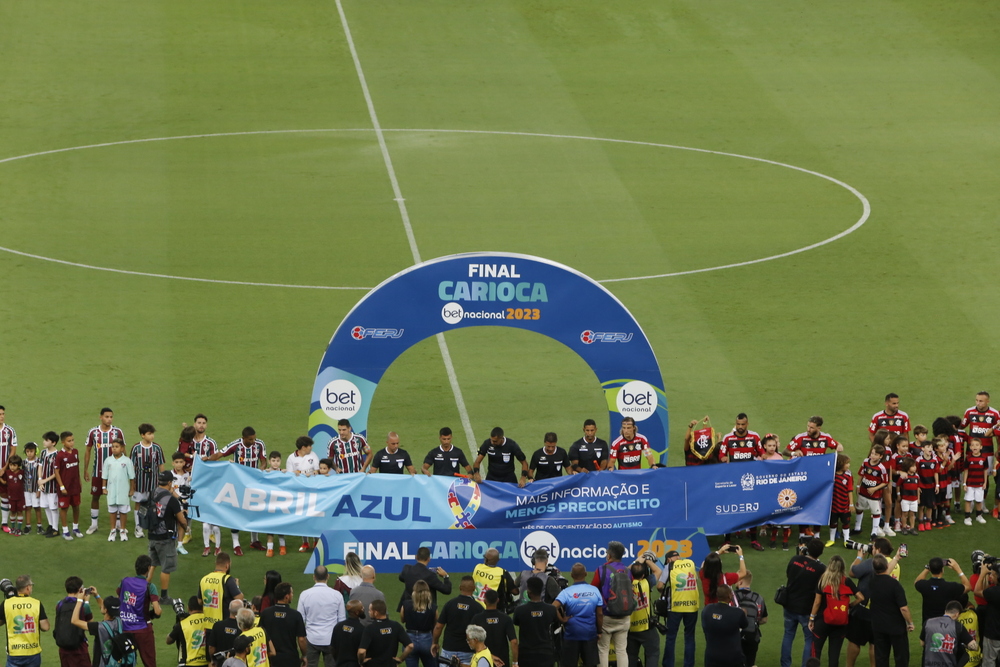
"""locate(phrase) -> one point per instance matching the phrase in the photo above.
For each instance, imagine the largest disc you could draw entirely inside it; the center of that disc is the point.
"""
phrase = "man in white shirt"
(303, 461)
(321, 608)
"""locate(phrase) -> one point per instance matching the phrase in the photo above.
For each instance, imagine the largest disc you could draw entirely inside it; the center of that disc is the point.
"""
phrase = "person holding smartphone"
(712, 575)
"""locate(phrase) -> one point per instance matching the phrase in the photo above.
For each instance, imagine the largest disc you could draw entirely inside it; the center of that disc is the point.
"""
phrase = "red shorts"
(3, 488)
(77, 657)
(66, 501)
(17, 504)
(96, 486)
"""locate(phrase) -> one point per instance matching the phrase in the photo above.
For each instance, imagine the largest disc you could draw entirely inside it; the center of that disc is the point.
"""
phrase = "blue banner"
(388, 551)
(499, 290)
(716, 499)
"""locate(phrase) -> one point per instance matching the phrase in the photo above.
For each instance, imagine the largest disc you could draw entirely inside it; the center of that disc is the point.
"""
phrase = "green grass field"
(898, 100)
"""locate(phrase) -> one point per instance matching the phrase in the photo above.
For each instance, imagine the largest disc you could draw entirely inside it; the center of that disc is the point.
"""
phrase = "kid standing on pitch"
(909, 495)
(843, 499)
(67, 471)
(181, 478)
(118, 484)
(974, 480)
(770, 446)
(943, 494)
(32, 489)
(928, 467)
(274, 465)
(873, 479)
(147, 458)
(14, 480)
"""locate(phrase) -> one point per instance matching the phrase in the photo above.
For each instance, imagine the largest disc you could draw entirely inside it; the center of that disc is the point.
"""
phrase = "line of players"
(913, 481)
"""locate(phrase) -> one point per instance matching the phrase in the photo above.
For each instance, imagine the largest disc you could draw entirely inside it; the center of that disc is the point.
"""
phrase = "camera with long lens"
(7, 588)
(178, 605)
(990, 563)
(858, 546)
(220, 657)
(453, 661)
(185, 491)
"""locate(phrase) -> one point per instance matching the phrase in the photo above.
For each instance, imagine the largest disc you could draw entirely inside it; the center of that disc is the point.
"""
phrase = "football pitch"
(193, 196)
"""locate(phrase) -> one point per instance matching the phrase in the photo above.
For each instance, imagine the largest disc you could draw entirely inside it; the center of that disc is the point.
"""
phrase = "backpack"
(153, 519)
(66, 635)
(748, 601)
(837, 609)
(119, 649)
(619, 596)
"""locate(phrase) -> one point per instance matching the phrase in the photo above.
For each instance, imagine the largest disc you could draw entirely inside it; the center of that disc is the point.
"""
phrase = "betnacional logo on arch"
(340, 399)
(637, 399)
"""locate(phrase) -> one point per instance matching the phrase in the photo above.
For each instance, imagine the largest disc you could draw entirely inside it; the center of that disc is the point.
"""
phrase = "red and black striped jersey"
(810, 446)
(629, 453)
(8, 443)
(843, 484)
(871, 475)
(741, 447)
(898, 422)
(980, 421)
(909, 488)
(101, 442)
(926, 469)
(975, 470)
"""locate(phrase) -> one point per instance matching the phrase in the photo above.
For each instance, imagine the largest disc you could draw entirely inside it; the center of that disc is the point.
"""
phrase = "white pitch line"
(463, 412)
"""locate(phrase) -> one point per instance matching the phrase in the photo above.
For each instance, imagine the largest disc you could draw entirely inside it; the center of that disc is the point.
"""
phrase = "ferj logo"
(588, 337)
(360, 333)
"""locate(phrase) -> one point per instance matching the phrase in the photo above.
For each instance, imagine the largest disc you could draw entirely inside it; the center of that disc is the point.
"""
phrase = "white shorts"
(31, 500)
(119, 509)
(140, 497)
(50, 501)
(974, 494)
(909, 505)
(872, 504)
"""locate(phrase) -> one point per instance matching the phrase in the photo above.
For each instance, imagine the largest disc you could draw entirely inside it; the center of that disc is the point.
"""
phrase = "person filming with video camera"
(859, 626)
(989, 614)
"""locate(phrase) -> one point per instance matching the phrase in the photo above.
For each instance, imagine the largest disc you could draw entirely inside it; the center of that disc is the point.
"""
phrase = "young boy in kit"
(47, 482)
(873, 478)
(67, 472)
(118, 484)
(943, 494)
(274, 465)
(181, 478)
(147, 458)
(919, 438)
(909, 495)
(14, 479)
(928, 468)
(32, 492)
(976, 468)
(843, 499)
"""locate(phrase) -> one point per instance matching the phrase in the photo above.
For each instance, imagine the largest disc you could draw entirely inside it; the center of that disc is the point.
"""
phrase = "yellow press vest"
(487, 578)
(257, 655)
(970, 620)
(213, 586)
(481, 655)
(639, 621)
(23, 634)
(195, 629)
(683, 585)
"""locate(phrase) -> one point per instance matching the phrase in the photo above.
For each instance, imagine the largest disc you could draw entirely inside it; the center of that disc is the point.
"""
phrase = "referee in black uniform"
(501, 453)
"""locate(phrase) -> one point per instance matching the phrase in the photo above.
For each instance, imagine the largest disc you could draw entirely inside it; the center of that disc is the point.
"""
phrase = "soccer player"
(980, 420)
(47, 482)
(350, 452)
(32, 495)
(629, 448)
(974, 480)
(741, 445)
(67, 471)
(589, 453)
(447, 459)
(891, 418)
(100, 438)
(148, 461)
(204, 447)
(873, 477)
(549, 461)
(814, 441)
(500, 453)
(118, 484)
(251, 452)
(8, 447)
(392, 460)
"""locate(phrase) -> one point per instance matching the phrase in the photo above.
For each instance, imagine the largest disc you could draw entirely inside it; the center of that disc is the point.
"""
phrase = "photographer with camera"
(223, 635)
(24, 638)
(190, 633)
(642, 632)
(937, 592)
(678, 585)
(859, 627)
(70, 638)
(890, 616)
(989, 614)
(540, 569)
(803, 573)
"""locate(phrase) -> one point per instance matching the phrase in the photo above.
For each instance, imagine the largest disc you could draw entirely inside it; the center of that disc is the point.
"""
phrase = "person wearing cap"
(678, 585)
(163, 542)
(102, 631)
(24, 639)
(241, 648)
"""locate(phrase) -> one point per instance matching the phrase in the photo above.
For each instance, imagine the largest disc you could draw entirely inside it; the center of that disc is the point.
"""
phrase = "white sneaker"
(67, 536)
(980, 519)
(968, 521)
(181, 549)
(123, 535)
(112, 535)
(947, 517)
(880, 533)
(92, 529)
(138, 533)
(888, 532)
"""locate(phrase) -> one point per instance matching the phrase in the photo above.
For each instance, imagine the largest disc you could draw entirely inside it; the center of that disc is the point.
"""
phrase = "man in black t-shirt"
(285, 628)
(937, 592)
(500, 637)
(589, 453)
(447, 460)
(500, 453)
(890, 615)
(162, 538)
(723, 625)
(535, 620)
(225, 632)
(549, 461)
(346, 637)
(392, 460)
(803, 573)
(454, 617)
(381, 638)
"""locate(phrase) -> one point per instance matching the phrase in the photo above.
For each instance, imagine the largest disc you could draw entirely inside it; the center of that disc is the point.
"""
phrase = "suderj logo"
(536, 540)
(589, 337)
(340, 399)
(360, 333)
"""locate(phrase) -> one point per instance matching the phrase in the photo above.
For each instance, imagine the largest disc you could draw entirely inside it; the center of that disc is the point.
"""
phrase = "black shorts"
(841, 518)
(928, 497)
(859, 626)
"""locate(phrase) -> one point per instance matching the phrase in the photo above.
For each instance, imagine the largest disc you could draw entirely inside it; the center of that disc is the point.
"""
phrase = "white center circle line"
(866, 206)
